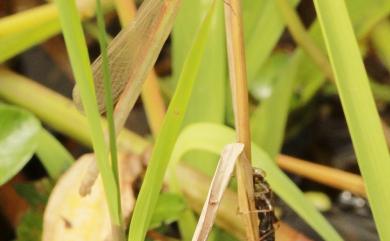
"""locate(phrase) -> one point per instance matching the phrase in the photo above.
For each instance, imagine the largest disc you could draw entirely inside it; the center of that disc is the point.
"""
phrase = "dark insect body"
(264, 205)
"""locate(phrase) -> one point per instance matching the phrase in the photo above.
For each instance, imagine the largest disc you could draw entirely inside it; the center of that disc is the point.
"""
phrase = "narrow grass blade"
(108, 102)
(267, 30)
(364, 16)
(359, 107)
(274, 111)
(166, 139)
(213, 137)
(53, 155)
(380, 40)
(78, 53)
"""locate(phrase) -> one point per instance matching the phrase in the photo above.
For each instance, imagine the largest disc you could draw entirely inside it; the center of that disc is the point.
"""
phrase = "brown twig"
(326, 175)
(237, 70)
(227, 213)
(218, 185)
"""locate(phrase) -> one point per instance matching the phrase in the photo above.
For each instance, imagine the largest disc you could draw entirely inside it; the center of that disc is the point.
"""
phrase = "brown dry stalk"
(326, 175)
(218, 185)
(227, 213)
(237, 73)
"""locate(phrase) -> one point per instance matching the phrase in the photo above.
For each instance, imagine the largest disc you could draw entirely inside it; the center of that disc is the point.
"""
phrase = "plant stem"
(320, 173)
(226, 216)
(58, 111)
(238, 81)
(50, 107)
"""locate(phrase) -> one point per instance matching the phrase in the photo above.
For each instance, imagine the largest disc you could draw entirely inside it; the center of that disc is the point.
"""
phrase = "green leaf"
(53, 155)
(380, 41)
(30, 227)
(263, 36)
(18, 140)
(79, 58)
(213, 137)
(13, 44)
(168, 209)
(170, 130)
(207, 102)
(269, 119)
(35, 193)
(359, 107)
(364, 15)
(262, 87)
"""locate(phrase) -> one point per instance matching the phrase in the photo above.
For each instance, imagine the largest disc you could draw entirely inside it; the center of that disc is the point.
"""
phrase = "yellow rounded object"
(71, 217)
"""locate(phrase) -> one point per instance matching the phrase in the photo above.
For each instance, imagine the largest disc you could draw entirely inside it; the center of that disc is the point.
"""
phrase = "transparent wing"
(134, 50)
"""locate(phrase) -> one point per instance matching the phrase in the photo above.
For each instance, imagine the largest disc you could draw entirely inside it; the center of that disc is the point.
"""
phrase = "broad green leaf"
(169, 132)
(213, 137)
(53, 155)
(269, 119)
(30, 227)
(18, 140)
(359, 107)
(262, 87)
(207, 102)
(168, 209)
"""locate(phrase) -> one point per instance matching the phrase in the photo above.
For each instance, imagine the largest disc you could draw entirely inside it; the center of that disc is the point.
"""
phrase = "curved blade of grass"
(53, 155)
(213, 137)
(166, 139)
(78, 54)
(359, 107)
